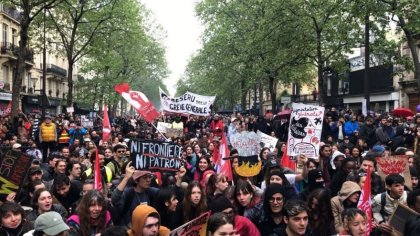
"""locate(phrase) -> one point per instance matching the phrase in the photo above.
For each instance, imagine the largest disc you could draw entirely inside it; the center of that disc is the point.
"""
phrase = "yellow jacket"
(47, 132)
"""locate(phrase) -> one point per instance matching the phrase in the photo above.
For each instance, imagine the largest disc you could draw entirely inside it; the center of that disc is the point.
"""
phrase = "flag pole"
(166, 139)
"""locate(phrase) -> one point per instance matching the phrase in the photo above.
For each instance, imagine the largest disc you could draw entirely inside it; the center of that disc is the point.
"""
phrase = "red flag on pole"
(286, 162)
(223, 165)
(138, 101)
(97, 173)
(106, 126)
(365, 203)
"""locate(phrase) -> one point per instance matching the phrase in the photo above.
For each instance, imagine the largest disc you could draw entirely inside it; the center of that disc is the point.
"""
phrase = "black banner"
(155, 155)
(14, 166)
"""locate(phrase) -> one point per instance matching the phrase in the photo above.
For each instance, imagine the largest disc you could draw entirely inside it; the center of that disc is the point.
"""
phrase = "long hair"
(211, 184)
(91, 197)
(323, 213)
(164, 195)
(188, 205)
(216, 221)
(245, 187)
(37, 194)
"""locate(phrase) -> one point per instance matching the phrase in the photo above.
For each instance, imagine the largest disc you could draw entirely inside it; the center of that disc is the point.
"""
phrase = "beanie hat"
(220, 204)
(378, 149)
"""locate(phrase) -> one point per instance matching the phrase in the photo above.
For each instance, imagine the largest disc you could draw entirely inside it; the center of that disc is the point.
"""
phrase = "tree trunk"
(261, 96)
(413, 49)
(70, 83)
(273, 88)
(320, 62)
(20, 67)
(244, 94)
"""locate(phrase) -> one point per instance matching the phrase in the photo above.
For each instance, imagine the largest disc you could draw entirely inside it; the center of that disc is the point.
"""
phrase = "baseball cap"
(16, 146)
(139, 173)
(34, 170)
(50, 223)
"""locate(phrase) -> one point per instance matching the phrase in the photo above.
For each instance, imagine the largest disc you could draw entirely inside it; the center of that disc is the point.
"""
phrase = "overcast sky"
(183, 31)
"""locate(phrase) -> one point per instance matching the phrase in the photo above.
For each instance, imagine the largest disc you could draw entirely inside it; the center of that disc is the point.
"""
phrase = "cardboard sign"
(14, 167)
(162, 126)
(248, 166)
(189, 103)
(269, 142)
(400, 216)
(305, 130)
(247, 143)
(70, 109)
(174, 133)
(155, 155)
(198, 226)
(394, 165)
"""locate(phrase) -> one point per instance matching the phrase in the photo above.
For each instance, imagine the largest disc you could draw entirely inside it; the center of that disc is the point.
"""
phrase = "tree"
(29, 10)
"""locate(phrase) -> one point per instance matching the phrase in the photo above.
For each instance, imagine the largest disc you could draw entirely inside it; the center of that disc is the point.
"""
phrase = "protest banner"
(269, 142)
(189, 103)
(174, 133)
(162, 126)
(196, 227)
(401, 215)
(394, 165)
(305, 130)
(247, 143)
(155, 155)
(14, 167)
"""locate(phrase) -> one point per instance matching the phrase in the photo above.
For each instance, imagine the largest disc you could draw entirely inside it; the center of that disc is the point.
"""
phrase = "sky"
(183, 30)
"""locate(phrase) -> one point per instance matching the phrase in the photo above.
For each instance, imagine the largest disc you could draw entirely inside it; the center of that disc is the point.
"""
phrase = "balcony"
(10, 12)
(305, 98)
(56, 70)
(13, 50)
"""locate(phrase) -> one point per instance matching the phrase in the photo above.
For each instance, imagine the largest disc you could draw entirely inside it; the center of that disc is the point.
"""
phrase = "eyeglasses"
(120, 151)
(279, 200)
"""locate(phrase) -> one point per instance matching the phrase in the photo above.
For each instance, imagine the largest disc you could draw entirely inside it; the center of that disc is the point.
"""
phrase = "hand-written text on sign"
(153, 155)
(13, 170)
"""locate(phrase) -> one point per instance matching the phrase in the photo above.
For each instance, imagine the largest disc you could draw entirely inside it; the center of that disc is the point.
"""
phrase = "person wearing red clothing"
(242, 225)
(216, 126)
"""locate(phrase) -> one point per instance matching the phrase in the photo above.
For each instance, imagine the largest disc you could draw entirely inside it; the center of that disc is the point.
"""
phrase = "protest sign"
(269, 142)
(305, 130)
(189, 103)
(5, 110)
(174, 133)
(85, 122)
(155, 155)
(14, 167)
(401, 215)
(198, 226)
(247, 143)
(394, 165)
(162, 126)
(248, 166)
(70, 109)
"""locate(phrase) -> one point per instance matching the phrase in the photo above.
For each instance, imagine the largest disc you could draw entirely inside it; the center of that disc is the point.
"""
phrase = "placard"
(305, 130)
(401, 215)
(394, 165)
(268, 141)
(155, 155)
(174, 133)
(247, 143)
(14, 167)
(162, 126)
(189, 103)
(198, 226)
(70, 109)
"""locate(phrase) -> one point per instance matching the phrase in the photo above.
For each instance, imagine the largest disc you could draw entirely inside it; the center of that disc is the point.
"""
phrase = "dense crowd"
(319, 198)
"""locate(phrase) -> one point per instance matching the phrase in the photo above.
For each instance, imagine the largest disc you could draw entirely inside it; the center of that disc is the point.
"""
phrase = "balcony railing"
(12, 13)
(51, 68)
(14, 50)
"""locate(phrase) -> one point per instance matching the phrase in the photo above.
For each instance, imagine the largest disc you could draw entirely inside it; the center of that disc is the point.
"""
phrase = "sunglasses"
(120, 151)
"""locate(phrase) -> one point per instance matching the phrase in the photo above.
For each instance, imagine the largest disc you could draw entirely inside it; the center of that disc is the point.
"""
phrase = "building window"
(30, 85)
(5, 74)
(14, 37)
(4, 36)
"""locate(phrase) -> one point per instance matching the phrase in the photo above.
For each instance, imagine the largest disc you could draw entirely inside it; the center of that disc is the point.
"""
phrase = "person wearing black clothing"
(348, 165)
(272, 216)
(66, 192)
(167, 204)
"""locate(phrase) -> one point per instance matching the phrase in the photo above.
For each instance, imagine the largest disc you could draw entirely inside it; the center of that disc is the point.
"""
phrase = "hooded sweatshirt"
(337, 206)
(138, 219)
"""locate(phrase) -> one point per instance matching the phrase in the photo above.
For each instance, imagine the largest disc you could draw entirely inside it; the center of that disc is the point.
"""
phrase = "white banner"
(161, 126)
(305, 130)
(269, 142)
(247, 143)
(189, 103)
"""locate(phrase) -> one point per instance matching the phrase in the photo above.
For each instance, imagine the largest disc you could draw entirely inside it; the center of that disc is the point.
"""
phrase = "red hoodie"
(243, 226)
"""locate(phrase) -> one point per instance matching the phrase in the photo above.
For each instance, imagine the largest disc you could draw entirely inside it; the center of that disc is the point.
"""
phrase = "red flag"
(106, 126)
(97, 174)
(365, 203)
(224, 166)
(286, 162)
(139, 101)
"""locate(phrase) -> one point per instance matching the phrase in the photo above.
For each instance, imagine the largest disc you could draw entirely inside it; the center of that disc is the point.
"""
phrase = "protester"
(347, 198)
(146, 222)
(296, 217)
(42, 202)
(13, 220)
(50, 224)
(354, 222)
(320, 212)
(194, 203)
(167, 204)
(220, 224)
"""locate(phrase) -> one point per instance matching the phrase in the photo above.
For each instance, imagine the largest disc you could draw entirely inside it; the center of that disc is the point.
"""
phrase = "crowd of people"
(319, 198)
